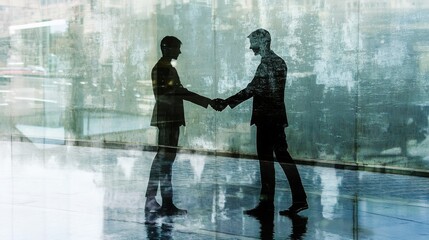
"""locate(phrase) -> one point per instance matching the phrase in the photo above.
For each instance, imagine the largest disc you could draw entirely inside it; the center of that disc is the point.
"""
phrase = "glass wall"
(78, 72)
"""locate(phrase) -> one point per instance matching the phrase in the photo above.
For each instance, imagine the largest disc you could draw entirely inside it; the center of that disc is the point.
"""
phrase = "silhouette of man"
(168, 116)
(269, 115)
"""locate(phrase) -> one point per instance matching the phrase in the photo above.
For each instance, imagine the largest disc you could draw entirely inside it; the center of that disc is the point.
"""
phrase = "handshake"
(218, 104)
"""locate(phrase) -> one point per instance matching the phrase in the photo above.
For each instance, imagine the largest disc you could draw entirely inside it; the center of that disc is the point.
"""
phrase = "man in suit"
(269, 115)
(168, 116)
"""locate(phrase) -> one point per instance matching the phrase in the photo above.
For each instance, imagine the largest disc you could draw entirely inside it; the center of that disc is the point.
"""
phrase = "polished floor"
(67, 192)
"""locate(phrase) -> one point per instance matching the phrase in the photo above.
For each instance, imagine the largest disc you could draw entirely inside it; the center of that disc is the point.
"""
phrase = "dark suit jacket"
(267, 89)
(169, 95)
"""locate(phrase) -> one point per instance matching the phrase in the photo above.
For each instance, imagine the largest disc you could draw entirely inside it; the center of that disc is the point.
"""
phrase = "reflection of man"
(266, 221)
(168, 116)
(269, 115)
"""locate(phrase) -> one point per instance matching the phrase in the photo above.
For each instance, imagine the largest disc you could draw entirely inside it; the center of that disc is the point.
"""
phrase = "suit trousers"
(162, 165)
(269, 139)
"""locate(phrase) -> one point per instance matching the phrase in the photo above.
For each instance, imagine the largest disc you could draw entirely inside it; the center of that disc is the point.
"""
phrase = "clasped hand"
(218, 104)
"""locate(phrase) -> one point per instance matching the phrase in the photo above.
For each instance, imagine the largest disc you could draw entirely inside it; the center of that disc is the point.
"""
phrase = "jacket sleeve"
(241, 96)
(251, 89)
(192, 97)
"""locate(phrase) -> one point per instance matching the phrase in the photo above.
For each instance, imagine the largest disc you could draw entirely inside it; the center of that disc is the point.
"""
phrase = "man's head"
(170, 47)
(260, 41)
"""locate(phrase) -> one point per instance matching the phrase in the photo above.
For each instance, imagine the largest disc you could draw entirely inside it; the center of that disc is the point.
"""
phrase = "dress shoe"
(261, 209)
(171, 210)
(294, 209)
(151, 205)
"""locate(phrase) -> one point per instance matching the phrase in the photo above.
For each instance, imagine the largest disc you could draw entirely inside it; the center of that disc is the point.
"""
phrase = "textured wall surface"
(357, 88)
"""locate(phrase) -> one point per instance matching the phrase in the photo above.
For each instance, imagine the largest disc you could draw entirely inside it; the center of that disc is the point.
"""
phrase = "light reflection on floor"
(66, 192)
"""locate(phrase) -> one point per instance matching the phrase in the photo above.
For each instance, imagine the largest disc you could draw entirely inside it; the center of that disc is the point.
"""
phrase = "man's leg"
(161, 169)
(155, 172)
(166, 170)
(169, 141)
(299, 197)
(264, 148)
(152, 187)
(267, 172)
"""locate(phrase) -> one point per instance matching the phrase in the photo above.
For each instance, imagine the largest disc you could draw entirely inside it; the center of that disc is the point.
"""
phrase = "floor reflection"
(297, 231)
(67, 192)
(299, 227)
(266, 225)
(163, 231)
(330, 191)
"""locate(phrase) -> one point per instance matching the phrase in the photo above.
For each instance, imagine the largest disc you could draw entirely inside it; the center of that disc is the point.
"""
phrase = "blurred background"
(77, 72)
